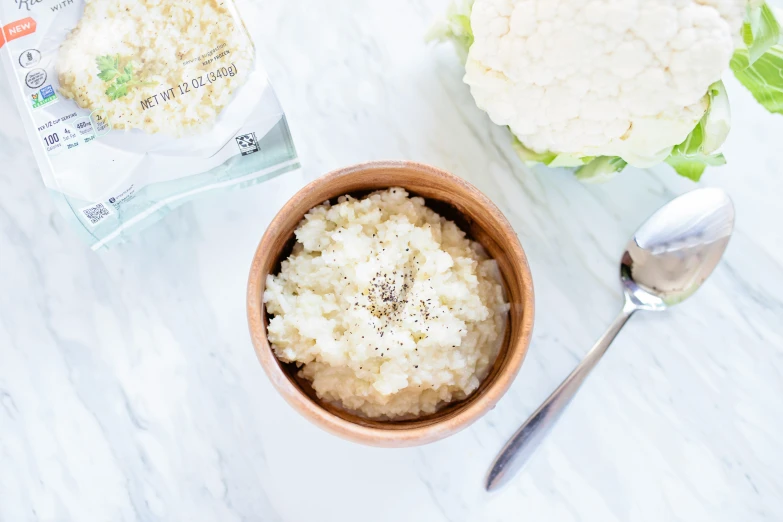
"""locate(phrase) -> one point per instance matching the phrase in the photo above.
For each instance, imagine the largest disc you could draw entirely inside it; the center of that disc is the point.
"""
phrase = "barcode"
(96, 213)
(248, 144)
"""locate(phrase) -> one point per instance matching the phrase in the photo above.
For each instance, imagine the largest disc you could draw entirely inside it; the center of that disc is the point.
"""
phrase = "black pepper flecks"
(388, 299)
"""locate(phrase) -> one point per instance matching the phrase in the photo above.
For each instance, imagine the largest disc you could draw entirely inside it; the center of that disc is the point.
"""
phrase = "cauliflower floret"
(600, 77)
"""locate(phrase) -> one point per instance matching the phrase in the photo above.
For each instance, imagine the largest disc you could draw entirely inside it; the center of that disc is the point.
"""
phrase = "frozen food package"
(135, 106)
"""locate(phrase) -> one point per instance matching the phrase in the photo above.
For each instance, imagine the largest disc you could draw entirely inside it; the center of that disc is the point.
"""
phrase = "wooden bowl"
(454, 199)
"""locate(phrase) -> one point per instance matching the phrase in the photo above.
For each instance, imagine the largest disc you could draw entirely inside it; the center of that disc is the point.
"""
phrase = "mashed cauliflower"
(166, 43)
(387, 307)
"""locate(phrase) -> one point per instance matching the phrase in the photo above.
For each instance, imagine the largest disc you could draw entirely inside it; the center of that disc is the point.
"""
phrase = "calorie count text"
(185, 87)
(60, 133)
(51, 139)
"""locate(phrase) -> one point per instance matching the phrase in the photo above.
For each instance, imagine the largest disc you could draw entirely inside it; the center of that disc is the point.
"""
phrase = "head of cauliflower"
(589, 78)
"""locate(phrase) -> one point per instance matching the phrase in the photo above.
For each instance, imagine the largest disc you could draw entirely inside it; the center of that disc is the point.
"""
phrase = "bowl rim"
(399, 436)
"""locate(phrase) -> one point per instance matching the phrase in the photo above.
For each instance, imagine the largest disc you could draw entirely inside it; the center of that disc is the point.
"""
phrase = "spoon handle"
(527, 438)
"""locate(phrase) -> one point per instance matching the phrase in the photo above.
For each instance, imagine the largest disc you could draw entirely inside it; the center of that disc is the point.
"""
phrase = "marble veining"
(129, 390)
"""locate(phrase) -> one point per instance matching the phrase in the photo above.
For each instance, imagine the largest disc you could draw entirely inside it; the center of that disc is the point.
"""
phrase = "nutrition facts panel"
(71, 131)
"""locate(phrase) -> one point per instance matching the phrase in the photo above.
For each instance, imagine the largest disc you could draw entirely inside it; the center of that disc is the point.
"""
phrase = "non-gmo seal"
(35, 78)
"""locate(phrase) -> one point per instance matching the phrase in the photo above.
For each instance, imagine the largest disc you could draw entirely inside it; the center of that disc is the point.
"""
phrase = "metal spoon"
(667, 260)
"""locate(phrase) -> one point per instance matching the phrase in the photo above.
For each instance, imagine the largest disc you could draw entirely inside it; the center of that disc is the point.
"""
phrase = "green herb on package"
(121, 78)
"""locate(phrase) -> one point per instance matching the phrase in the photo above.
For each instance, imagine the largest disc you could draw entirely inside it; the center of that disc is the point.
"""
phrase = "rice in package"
(135, 106)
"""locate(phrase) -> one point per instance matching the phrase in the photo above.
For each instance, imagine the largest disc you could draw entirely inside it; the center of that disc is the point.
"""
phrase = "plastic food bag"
(134, 106)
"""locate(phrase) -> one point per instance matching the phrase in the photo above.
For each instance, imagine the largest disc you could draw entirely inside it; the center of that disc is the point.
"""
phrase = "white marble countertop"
(129, 390)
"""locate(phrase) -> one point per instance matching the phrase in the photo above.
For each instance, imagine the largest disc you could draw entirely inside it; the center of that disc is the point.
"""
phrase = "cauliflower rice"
(166, 42)
(387, 307)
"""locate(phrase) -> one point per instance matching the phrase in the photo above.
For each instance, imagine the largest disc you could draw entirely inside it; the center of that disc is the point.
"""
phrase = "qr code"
(96, 213)
(247, 143)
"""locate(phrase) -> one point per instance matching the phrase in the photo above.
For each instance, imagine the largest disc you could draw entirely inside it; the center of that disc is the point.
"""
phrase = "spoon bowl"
(677, 248)
(664, 263)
